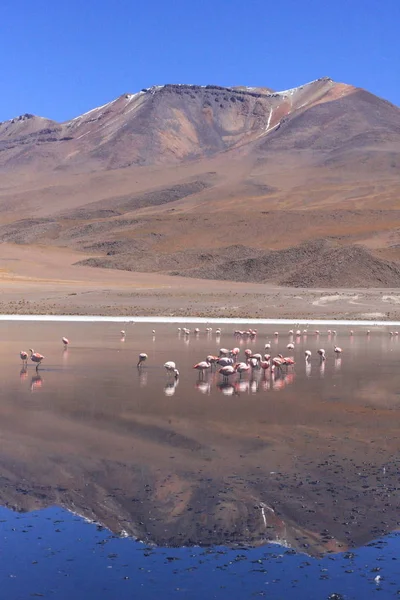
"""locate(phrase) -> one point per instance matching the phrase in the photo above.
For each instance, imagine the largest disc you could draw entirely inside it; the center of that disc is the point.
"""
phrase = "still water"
(119, 482)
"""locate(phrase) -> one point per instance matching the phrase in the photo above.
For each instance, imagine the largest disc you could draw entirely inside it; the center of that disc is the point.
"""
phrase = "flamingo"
(337, 350)
(368, 332)
(307, 354)
(242, 367)
(170, 365)
(321, 352)
(224, 361)
(290, 346)
(290, 331)
(212, 360)
(65, 341)
(24, 356)
(223, 351)
(142, 357)
(267, 346)
(227, 371)
(288, 361)
(36, 358)
(277, 361)
(234, 352)
(197, 331)
(218, 332)
(122, 332)
(276, 333)
(265, 364)
(253, 362)
(351, 332)
(298, 332)
(202, 367)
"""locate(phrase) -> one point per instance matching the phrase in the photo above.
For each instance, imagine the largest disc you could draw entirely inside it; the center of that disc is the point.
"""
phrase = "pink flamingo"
(266, 364)
(202, 367)
(307, 354)
(36, 358)
(337, 350)
(321, 352)
(242, 367)
(225, 361)
(213, 360)
(24, 356)
(227, 371)
(65, 341)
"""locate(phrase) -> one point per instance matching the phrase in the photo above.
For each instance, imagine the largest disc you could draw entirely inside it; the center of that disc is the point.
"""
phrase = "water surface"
(308, 460)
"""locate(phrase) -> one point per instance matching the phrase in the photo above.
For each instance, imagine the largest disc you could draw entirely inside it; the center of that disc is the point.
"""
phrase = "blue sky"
(60, 58)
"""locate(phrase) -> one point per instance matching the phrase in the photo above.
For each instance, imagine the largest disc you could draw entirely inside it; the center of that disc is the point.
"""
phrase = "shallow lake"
(124, 482)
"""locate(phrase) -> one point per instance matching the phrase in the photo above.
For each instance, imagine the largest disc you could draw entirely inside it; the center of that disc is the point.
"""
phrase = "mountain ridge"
(232, 165)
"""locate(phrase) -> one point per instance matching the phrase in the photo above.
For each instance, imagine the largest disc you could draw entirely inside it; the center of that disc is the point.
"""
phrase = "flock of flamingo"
(227, 363)
(36, 357)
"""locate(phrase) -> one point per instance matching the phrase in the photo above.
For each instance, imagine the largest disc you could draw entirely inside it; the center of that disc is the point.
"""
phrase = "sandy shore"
(40, 280)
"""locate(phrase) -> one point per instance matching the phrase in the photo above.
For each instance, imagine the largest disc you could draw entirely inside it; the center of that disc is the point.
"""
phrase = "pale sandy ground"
(44, 280)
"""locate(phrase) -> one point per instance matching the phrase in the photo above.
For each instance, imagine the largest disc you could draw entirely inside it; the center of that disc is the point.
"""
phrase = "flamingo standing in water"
(321, 352)
(213, 360)
(307, 354)
(227, 371)
(170, 367)
(65, 341)
(241, 368)
(142, 357)
(36, 358)
(202, 367)
(24, 357)
(337, 350)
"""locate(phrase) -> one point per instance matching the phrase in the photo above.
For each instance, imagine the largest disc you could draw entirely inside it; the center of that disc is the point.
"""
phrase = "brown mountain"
(197, 180)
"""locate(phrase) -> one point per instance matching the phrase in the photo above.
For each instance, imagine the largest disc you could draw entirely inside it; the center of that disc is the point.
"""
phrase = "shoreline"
(183, 320)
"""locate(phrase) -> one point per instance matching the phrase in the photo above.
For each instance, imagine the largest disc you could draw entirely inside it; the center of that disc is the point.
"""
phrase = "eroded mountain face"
(128, 182)
(161, 124)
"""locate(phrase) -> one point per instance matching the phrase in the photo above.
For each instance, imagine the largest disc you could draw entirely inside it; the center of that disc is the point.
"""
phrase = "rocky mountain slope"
(197, 180)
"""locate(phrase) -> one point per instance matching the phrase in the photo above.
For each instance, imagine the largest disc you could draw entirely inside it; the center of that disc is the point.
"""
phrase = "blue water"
(55, 554)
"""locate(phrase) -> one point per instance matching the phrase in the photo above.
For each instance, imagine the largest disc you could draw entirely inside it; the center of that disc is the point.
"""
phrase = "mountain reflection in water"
(306, 457)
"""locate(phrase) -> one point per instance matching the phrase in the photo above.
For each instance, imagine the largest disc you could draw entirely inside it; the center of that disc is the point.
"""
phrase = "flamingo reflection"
(143, 375)
(170, 387)
(338, 363)
(204, 387)
(36, 382)
(23, 374)
(226, 388)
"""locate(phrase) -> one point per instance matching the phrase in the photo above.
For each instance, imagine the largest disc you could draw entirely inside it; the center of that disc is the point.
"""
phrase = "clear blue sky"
(60, 58)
